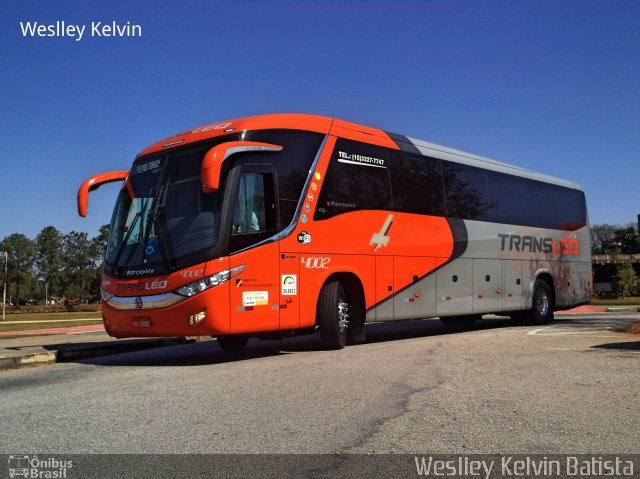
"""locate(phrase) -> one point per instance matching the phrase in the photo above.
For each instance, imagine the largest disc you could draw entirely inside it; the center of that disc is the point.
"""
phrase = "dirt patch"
(633, 328)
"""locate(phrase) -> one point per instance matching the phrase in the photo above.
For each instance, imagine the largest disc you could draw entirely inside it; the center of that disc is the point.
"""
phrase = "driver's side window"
(249, 214)
(254, 214)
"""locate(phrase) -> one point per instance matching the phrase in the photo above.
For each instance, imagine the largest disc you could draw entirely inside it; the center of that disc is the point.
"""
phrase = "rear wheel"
(333, 315)
(232, 344)
(541, 311)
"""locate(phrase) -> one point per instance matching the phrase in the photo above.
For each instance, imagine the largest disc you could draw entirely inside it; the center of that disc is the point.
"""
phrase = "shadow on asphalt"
(621, 346)
(209, 353)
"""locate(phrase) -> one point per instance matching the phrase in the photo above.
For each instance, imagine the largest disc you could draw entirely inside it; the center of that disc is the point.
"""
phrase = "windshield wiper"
(164, 238)
(130, 229)
(125, 240)
(166, 245)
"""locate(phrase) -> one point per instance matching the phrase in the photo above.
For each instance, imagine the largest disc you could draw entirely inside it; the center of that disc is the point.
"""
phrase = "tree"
(21, 257)
(602, 238)
(627, 240)
(49, 257)
(625, 282)
(100, 243)
(81, 260)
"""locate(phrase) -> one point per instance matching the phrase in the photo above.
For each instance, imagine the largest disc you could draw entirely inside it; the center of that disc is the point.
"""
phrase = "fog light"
(196, 318)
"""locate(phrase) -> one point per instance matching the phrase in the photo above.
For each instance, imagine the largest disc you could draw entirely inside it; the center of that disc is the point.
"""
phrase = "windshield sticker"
(151, 247)
(289, 284)
(255, 298)
(355, 159)
(150, 165)
(140, 272)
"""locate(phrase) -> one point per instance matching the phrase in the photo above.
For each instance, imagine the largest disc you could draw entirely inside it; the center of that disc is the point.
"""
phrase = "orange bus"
(285, 224)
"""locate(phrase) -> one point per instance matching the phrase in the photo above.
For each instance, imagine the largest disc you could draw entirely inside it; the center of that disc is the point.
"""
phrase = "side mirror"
(94, 183)
(213, 159)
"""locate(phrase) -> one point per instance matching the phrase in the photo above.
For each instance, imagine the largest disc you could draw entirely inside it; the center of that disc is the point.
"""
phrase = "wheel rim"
(343, 315)
(542, 303)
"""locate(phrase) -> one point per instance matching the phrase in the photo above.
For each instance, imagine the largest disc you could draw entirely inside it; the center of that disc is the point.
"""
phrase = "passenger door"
(255, 293)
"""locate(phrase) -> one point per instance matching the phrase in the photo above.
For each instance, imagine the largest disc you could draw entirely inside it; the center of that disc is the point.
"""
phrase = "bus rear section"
(294, 223)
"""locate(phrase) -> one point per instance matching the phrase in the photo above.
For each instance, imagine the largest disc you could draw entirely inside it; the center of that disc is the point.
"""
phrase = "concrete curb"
(47, 358)
(28, 360)
(623, 309)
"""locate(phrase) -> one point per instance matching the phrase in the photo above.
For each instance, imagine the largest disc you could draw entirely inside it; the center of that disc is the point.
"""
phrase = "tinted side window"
(357, 179)
(466, 191)
(416, 183)
(508, 197)
(292, 164)
(543, 207)
(574, 210)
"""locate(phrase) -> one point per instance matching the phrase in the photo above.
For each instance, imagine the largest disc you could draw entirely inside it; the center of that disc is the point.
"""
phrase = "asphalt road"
(569, 387)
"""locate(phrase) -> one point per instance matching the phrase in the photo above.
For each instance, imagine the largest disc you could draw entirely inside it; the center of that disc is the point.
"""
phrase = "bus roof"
(326, 125)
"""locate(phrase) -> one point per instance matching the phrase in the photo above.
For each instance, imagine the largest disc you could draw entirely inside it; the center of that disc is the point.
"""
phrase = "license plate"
(141, 322)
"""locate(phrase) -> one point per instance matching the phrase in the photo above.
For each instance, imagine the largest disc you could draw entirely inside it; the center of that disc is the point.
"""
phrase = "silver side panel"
(492, 275)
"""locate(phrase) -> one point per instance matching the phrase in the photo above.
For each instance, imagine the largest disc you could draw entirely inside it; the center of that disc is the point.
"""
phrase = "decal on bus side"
(537, 244)
(355, 159)
(381, 238)
(304, 238)
(216, 126)
(289, 284)
(255, 298)
(315, 262)
(157, 284)
(192, 273)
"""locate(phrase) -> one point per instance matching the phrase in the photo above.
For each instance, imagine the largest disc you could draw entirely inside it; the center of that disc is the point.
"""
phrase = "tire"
(541, 311)
(232, 344)
(459, 323)
(333, 315)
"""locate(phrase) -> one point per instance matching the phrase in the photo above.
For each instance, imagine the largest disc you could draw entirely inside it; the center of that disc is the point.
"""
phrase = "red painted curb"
(584, 309)
(70, 330)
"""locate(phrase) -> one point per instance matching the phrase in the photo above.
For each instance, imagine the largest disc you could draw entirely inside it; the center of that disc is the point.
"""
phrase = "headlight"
(106, 295)
(199, 286)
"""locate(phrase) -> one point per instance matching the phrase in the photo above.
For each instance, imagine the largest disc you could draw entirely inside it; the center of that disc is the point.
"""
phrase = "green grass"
(52, 308)
(49, 320)
(630, 301)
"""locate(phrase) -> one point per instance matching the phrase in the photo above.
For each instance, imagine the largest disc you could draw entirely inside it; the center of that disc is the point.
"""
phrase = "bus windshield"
(162, 219)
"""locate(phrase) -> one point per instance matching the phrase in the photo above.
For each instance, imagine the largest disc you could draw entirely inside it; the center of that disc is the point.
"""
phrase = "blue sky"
(547, 85)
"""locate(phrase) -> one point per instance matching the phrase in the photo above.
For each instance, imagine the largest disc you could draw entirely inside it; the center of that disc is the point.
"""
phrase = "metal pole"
(4, 293)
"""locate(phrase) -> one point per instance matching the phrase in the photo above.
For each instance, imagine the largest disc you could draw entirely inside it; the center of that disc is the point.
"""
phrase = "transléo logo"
(34, 467)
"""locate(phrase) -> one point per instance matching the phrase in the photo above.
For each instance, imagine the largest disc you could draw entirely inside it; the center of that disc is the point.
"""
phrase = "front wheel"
(333, 315)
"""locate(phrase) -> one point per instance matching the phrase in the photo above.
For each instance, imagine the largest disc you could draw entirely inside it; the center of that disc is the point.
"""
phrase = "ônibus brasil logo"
(34, 467)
